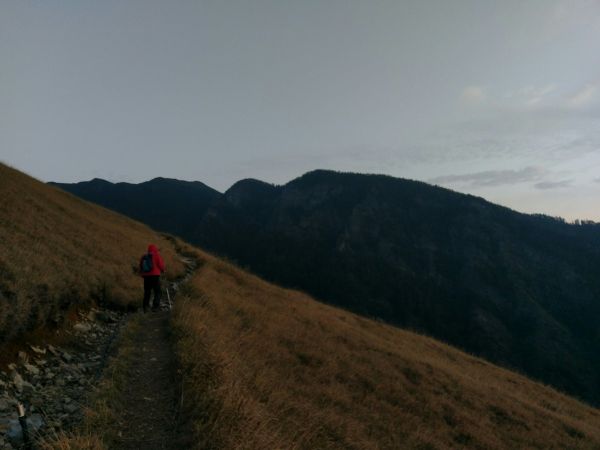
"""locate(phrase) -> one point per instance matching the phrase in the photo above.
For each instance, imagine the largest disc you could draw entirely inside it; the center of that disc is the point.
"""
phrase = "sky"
(500, 99)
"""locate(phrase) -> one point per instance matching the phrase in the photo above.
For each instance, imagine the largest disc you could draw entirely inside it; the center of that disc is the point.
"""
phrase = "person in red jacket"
(151, 267)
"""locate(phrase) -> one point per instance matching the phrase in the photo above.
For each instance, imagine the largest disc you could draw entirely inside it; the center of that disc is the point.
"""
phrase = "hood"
(152, 248)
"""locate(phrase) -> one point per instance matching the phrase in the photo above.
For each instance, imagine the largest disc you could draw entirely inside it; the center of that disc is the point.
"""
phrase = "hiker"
(151, 266)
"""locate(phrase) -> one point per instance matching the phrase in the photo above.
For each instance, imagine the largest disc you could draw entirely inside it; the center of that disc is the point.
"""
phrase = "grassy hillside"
(520, 290)
(58, 252)
(266, 367)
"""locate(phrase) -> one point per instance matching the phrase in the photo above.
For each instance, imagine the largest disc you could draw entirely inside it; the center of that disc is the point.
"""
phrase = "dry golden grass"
(265, 367)
(268, 368)
(57, 251)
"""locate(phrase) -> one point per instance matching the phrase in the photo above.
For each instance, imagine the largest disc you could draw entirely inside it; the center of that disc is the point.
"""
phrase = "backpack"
(147, 264)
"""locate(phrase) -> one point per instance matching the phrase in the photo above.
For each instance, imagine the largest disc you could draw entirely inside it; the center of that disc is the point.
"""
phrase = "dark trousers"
(152, 283)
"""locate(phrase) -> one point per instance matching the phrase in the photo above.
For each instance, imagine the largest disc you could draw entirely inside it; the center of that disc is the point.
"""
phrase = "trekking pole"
(169, 298)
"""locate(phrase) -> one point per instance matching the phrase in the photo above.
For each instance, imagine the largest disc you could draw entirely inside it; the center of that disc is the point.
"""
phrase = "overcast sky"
(496, 98)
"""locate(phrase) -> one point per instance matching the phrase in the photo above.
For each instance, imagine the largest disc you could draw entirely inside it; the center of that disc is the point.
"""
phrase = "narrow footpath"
(149, 420)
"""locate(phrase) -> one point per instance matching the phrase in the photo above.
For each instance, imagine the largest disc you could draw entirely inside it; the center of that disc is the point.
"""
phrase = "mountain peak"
(250, 184)
(250, 193)
(98, 180)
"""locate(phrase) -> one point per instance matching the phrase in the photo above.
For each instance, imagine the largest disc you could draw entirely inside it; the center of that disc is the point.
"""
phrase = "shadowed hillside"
(266, 367)
(162, 203)
(262, 366)
(520, 290)
(58, 252)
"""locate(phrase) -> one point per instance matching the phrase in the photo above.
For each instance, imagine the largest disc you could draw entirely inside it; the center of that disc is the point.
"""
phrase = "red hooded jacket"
(158, 265)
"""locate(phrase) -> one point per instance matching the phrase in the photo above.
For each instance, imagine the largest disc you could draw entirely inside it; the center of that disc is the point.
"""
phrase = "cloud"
(545, 185)
(583, 97)
(492, 177)
(597, 180)
(525, 97)
(548, 98)
(533, 95)
(473, 95)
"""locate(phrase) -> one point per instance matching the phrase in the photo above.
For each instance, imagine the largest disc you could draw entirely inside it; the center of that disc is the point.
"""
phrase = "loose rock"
(17, 380)
(82, 327)
(31, 369)
(38, 350)
(54, 388)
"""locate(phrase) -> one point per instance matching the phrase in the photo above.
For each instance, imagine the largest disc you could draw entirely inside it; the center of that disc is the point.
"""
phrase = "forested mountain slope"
(259, 366)
(162, 203)
(520, 290)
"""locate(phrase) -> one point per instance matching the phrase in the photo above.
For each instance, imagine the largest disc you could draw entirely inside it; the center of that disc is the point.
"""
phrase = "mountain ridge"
(260, 366)
(515, 288)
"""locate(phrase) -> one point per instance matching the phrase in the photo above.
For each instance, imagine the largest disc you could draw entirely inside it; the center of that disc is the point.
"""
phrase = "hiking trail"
(149, 420)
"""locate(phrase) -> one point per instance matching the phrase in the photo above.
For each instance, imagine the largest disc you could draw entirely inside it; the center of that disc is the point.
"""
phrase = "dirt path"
(149, 419)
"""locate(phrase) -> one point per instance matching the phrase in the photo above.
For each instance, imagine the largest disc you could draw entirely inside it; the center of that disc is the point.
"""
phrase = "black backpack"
(147, 264)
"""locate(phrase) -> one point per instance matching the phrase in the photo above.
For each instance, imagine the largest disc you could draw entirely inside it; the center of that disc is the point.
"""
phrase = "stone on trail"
(15, 433)
(31, 369)
(17, 380)
(82, 327)
(23, 357)
(38, 350)
(4, 424)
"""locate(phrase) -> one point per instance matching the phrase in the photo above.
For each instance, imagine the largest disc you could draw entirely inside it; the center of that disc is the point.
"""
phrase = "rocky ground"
(52, 382)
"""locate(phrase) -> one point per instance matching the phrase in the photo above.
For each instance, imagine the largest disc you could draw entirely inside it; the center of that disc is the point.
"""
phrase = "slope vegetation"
(58, 252)
(266, 367)
(520, 290)
(262, 366)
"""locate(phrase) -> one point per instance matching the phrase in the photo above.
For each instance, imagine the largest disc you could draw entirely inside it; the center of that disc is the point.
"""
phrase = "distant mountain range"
(521, 290)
